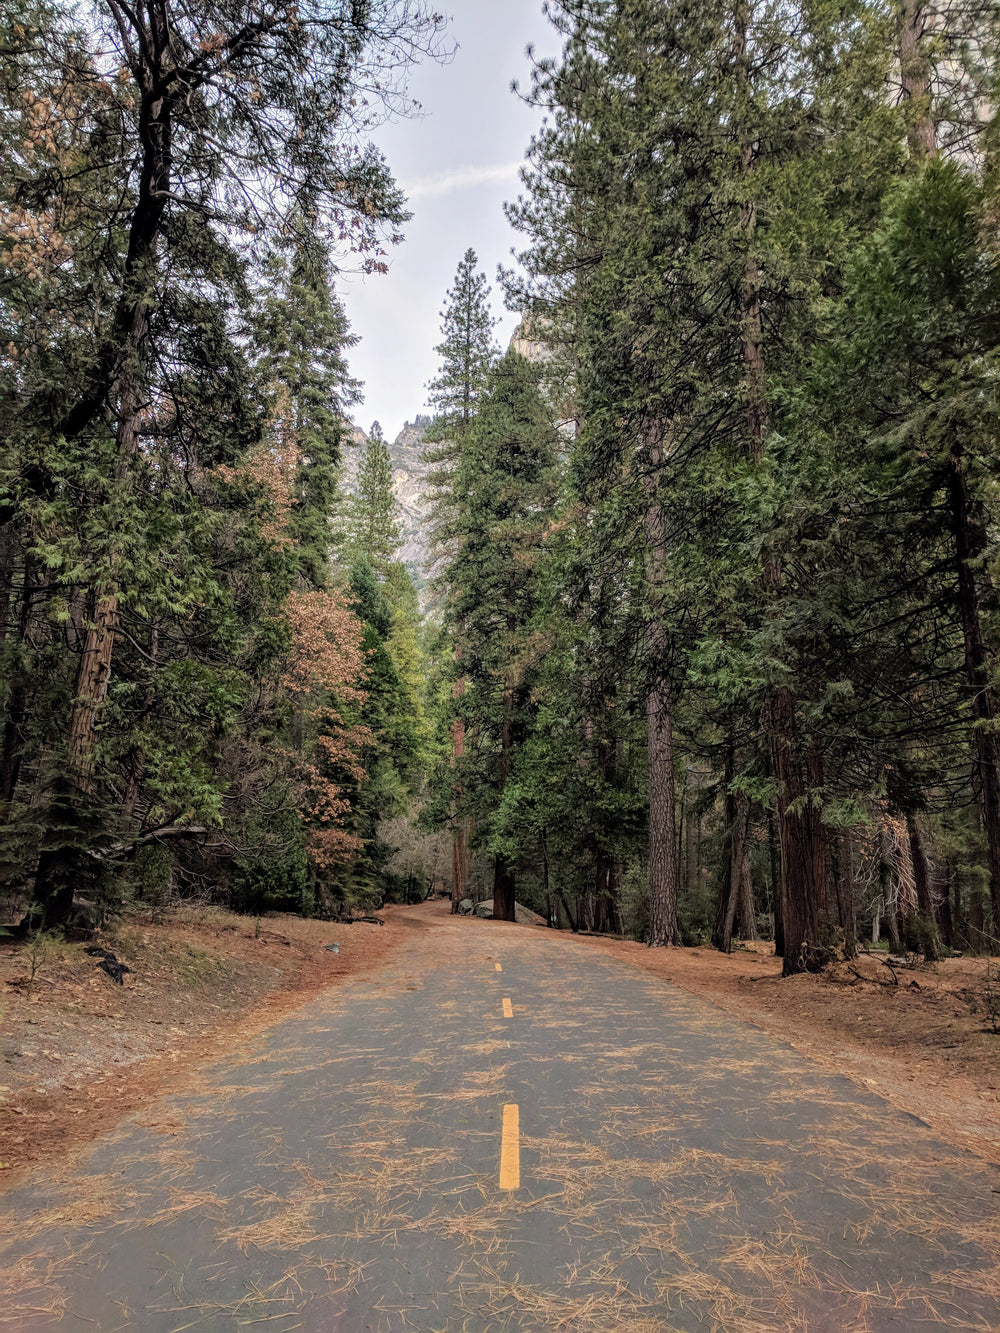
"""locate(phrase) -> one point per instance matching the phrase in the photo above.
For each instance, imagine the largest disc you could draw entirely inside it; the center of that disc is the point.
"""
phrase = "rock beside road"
(524, 916)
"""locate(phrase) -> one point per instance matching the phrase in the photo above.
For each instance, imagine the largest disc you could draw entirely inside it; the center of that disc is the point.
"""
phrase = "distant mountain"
(409, 473)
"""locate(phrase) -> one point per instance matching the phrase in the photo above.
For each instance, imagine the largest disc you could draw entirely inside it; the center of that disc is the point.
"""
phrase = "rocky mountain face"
(409, 474)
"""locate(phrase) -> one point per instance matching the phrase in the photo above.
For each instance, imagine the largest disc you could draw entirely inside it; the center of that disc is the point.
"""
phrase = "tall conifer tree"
(467, 352)
(373, 523)
(507, 479)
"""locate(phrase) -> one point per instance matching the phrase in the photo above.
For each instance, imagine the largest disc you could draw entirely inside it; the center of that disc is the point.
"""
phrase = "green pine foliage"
(373, 532)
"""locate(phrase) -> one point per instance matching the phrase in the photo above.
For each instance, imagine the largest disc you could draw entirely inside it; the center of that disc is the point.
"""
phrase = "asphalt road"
(613, 1155)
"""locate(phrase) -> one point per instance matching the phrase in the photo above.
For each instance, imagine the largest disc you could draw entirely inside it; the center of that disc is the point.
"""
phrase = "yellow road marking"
(508, 1011)
(510, 1150)
(498, 967)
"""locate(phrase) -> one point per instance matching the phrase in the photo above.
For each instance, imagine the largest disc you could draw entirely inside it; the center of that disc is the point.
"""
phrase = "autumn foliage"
(324, 667)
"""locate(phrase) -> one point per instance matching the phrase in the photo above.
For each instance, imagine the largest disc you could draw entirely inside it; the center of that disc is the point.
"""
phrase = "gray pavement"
(678, 1171)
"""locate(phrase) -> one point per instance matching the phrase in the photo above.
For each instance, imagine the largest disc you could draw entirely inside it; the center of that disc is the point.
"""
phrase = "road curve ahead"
(503, 1130)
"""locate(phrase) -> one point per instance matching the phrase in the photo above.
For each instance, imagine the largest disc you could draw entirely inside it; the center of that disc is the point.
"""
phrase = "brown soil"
(924, 1042)
(79, 1052)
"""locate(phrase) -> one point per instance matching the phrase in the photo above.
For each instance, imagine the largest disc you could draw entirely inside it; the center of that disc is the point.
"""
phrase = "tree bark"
(503, 873)
(774, 857)
(458, 864)
(915, 79)
(725, 902)
(746, 915)
(846, 895)
(662, 843)
(800, 836)
(503, 890)
(16, 709)
(970, 542)
(663, 868)
(930, 939)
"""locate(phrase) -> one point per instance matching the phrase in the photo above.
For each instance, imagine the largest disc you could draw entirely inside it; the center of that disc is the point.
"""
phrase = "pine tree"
(138, 389)
(467, 350)
(506, 477)
(680, 302)
(305, 330)
(373, 524)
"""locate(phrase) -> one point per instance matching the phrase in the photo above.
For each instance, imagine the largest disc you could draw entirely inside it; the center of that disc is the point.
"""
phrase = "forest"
(707, 645)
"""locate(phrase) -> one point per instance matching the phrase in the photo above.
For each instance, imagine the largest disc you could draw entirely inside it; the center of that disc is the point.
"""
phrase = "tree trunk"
(16, 710)
(662, 843)
(947, 916)
(846, 894)
(459, 888)
(930, 940)
(970, 543)
(725, 902)
(799, 830)
(800, 835)
(774, 858)
(117, 380)
(503, 874)
(663, 869)
(503, 890)
(746, 915)
(977, 919)
(915, 80)
(573, 920)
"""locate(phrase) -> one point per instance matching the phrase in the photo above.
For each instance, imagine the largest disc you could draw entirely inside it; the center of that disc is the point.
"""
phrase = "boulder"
(524, 916)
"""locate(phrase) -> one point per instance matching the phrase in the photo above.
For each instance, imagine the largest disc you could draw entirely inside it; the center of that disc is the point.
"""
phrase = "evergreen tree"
(467, 352)
(467, 349)
(129, 435)
(306, 333)
(373, 526)
(665, 134)
(506, 476)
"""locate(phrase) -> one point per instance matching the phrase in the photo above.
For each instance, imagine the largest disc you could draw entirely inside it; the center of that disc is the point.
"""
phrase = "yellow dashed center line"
(508, 1010)
(510, 1150)
(498, 967)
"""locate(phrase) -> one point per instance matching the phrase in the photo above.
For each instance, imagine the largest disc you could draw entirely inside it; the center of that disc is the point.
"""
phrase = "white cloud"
(461, 178)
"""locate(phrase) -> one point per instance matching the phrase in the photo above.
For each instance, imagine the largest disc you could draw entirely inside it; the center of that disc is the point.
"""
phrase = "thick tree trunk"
(800, 835)
(503, 890)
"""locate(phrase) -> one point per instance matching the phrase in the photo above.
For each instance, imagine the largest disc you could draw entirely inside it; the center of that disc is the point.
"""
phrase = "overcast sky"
(457, 164)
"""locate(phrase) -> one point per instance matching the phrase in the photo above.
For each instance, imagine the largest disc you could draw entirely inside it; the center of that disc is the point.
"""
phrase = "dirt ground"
(78, 1052)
